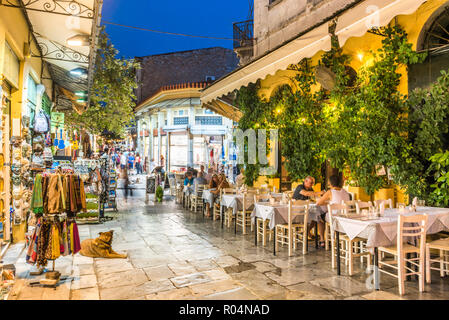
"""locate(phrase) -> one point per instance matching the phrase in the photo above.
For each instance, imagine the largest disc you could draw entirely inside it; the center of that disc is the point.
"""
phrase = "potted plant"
(159, 193)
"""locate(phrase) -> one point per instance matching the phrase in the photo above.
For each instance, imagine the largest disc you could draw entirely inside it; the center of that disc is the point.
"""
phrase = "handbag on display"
(41, 122)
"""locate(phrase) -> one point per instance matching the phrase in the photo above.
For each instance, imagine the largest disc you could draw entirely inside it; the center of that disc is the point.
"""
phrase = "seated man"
(305, 191)
(199, 180)
(333, 196)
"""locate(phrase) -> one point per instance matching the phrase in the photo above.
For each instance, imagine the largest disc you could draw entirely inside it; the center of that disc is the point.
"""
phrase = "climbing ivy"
(428, 127)
(360, 124)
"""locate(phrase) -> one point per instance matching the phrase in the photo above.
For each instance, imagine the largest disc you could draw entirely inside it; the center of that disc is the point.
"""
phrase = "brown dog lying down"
(101, 247)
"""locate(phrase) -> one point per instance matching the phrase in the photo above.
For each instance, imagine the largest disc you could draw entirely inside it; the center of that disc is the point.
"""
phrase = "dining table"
(277, 213)
(381, 230)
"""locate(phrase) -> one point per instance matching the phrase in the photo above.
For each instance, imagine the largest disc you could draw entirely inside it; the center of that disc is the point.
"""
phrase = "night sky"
(199, 17)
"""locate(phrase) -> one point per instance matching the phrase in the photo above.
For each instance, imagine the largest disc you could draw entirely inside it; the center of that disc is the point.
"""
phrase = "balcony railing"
(180, 121)
(209, 121)
(243, 34)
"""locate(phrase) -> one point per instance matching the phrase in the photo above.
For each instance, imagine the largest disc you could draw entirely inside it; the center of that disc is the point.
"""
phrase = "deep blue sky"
(198, 17)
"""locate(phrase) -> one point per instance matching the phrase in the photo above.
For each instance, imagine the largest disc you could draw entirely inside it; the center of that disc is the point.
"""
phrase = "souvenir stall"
(58, 196)
(89, 172)
(5, 193)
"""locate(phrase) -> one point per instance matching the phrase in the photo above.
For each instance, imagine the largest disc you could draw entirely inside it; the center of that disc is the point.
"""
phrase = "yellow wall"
(14, 29)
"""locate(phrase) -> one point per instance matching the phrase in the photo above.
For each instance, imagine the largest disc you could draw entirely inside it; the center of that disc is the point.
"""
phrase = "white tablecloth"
(383, 231)
(235, 201)
(209, 197)
(278, 214)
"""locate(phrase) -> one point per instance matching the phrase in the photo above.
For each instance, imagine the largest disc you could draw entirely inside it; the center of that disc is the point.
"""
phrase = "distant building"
(169, 111)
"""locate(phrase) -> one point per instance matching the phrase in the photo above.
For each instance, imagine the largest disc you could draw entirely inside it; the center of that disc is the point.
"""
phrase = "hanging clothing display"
(51, 239)
(58, 193)
(56, 199)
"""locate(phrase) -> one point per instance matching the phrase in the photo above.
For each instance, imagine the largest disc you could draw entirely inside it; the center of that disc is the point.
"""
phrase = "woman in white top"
(333, 196)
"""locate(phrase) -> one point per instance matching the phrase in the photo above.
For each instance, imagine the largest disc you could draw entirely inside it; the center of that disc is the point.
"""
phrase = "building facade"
(36, 60)
(173, 129)
(284, 32)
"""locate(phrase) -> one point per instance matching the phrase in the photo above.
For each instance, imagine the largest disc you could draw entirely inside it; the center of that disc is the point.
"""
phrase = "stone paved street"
(173, 254)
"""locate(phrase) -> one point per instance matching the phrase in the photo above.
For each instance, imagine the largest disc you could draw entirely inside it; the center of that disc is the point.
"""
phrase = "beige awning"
(371, 14)
(291, 53)
(352, 23)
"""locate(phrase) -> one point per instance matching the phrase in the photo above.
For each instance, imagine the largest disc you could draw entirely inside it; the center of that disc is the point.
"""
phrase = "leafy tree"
(380, 123)
(112, 98)
(254, 117)
(428, 127)
(297, 113)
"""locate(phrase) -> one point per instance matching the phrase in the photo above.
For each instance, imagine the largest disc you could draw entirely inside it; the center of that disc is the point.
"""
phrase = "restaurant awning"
(353, 22)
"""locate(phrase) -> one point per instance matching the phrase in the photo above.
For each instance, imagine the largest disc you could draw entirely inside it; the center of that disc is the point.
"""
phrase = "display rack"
(112, 199)
(92, 216)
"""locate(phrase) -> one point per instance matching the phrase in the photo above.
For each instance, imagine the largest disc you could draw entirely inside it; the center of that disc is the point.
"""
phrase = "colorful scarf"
(76, 239)
(37, 203)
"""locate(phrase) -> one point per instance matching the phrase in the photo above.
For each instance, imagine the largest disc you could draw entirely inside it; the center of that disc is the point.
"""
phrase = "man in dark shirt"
(305, 191)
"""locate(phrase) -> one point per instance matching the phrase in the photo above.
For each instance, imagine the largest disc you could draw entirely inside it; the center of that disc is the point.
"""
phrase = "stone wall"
(182, 67)
(283, 20)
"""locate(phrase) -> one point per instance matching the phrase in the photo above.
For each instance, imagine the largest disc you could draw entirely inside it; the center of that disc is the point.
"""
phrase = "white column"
(152, 127)
(190, 137)
(161, 122)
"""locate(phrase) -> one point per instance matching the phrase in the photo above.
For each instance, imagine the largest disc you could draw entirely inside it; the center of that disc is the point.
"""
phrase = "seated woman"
(213, 184)
(333, 196)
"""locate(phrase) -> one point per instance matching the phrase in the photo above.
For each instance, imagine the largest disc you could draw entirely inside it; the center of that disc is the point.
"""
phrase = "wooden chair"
(350, 249)
(217, 207)
(352, 207)
(261, 225)
(387, 203)
(292, 233)
(360, 205)
(196, 199)
(442, 245)
(243, 217)
(173, 186)
(408, 226)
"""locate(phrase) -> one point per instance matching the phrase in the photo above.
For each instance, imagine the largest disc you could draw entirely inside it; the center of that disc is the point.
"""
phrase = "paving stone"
(258, 283)
(226, 261)
(381, 295)
(262, 266)
(190, 279)
(86, 281)
(341, 285)
(203, 265)
(159, 273)
(114, 280)
(182, 268)
(234, 294)
(209, 288)
(176, 294)
(119, 266)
